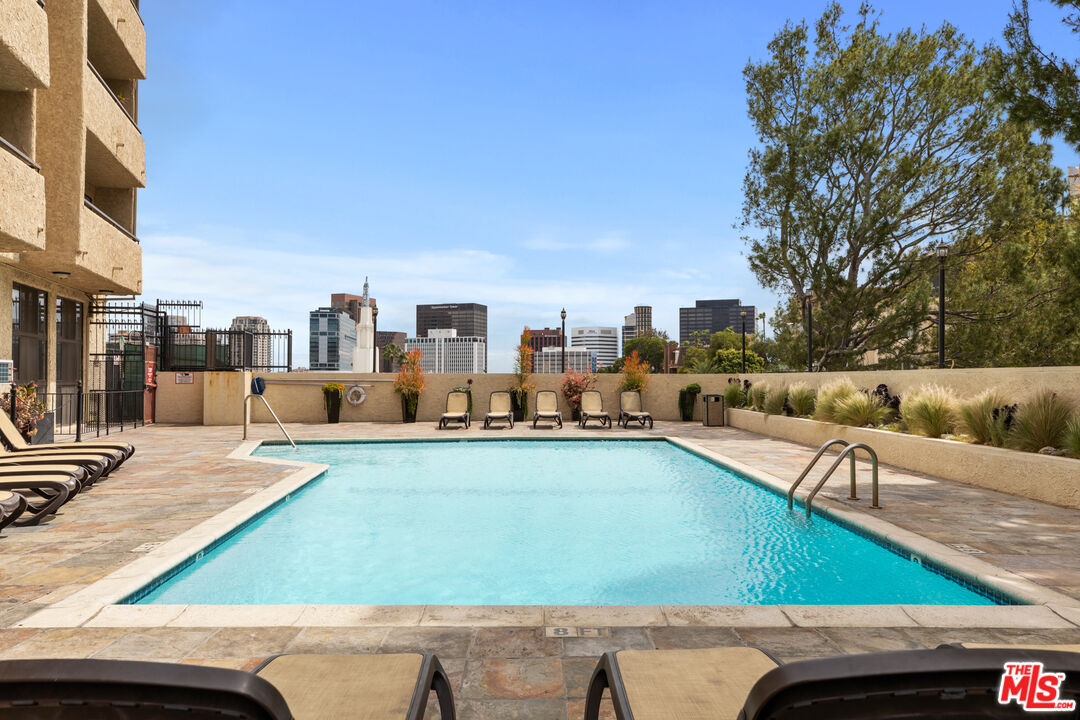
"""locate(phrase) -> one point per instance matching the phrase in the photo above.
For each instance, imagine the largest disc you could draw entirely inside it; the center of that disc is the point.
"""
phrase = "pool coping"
(98, 605)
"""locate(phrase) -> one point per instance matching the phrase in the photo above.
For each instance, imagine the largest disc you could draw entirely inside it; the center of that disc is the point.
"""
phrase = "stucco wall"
(1046, 478)
(108, 123)
(24, 45)
(179, 403)
(22, 214)
(110, 254)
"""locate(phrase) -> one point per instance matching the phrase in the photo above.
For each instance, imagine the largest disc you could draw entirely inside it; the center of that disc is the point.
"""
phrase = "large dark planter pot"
(518, 407)
(333, 405)
(408, 414)
(686, 405)
(575, 414)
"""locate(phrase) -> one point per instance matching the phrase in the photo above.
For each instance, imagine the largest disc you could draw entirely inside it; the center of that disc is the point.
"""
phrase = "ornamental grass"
(829, 395)
(861, 410)
(801, 398)
(929, 411)
(1041, 422)
(980, 417)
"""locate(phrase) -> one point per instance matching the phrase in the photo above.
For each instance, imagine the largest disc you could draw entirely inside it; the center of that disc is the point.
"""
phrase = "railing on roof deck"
(101, 213)
(19, 154)
(117, 100)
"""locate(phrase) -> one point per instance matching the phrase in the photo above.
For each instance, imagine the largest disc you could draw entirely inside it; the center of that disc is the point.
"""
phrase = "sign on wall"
(185, 378)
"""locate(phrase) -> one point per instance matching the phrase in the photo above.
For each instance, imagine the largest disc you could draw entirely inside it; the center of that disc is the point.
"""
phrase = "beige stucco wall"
(1016, 383)
(22, 210)
(106, 121)
(1046, 478)
(178, 403)
(110, 255)
(24, 45)
(123, 51)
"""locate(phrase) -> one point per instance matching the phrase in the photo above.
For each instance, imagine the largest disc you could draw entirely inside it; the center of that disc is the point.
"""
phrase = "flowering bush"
(523, 372)
(331, 387)
(410, 380)
(635, 373)
(574, 384)
(28, 409)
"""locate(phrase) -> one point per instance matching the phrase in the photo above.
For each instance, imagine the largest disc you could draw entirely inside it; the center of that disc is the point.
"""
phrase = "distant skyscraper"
(469, 319)
(578, 359)
(384, 338)
(710, 316)
(628, 332)
(332, 340)
(444, 351)
(350, 304)
(260, 347)
(604, 341)
(540, 339)
(637, 325)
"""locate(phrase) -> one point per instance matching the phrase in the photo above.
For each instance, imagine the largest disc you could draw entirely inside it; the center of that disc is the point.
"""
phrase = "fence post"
(106, 397)
(12, 396)
(78, 411)
(289, 361)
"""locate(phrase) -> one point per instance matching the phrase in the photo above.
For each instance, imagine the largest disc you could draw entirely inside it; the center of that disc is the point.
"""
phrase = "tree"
(873, 148)
(730, 361)
(1038, 86)
(724, 340)
(650, 349)
(696, 360)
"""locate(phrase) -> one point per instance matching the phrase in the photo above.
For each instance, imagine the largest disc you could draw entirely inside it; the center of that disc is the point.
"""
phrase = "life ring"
(356, 395)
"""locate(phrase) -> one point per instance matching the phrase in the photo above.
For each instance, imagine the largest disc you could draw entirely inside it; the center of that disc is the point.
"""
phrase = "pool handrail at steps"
(849, 451)
(258, 385)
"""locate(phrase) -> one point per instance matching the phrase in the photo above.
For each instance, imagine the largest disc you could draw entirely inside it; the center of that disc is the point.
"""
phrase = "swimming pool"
(520, 522)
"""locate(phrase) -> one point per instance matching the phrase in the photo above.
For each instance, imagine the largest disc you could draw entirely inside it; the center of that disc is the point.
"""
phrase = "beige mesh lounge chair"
(547, 407)
(44, 494)
(86, 469)
(457, 409)
(112, 453)
(592, 408)
(630, 409)
(499, 409)
(12, 505)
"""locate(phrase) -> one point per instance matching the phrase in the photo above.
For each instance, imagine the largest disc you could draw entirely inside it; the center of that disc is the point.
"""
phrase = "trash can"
(713, 415)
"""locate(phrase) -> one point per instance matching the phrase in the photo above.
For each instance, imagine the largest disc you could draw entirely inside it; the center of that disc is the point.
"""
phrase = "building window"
(69, 343)
(28, 334)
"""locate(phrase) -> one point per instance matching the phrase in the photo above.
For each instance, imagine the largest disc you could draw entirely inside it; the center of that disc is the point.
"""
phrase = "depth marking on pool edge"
(589, 632)
(964, 548)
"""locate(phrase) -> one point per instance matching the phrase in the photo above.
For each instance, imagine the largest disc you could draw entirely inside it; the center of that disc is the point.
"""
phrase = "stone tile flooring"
(180, 477)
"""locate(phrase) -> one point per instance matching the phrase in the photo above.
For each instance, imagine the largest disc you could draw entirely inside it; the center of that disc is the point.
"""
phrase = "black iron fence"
(77, 414)
(193, 350)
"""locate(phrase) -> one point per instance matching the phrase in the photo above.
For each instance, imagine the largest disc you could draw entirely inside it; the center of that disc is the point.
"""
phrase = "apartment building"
(711, 316)
(261, 344)
(331, 340)
(71, 161)
(443, 351)
(637, 325)
(602, 340)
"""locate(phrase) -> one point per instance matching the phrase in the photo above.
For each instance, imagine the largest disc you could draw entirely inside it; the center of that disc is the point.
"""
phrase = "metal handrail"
(850, 450)
(810, 465)
(247, 417)
(101, 213)
(113, 95)
(19, 154)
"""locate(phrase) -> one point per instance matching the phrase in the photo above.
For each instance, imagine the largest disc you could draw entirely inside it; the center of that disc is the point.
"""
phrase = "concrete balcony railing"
(24, 45)
(22, 213)
(115, 151)
(116, 39)
(109, 253)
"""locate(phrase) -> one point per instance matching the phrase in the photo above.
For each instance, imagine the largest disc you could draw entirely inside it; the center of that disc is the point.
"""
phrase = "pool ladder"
(849, 451)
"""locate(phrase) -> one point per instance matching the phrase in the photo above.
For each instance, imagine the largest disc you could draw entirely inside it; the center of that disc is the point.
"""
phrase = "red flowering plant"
(28, 409)
(635, 373)
(573, 385)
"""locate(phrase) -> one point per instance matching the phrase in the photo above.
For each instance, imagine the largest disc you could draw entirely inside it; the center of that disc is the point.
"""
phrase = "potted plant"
(687, 398)
(635, 373)
(28, 409)
(332, 394)
(573, 385)
(519, 391)
(409, 383)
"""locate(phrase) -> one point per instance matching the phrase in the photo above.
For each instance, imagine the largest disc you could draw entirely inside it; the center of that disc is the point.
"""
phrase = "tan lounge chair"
(12, 505)
(86, 469)
(44, 494)
(547, 408)
(499, 408)
(457, 409)
(630, 409)
(113, 453)
(592, 408)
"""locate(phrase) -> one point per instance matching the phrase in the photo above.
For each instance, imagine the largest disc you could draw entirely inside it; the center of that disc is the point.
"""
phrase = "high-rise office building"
(444, 351)
(71, 160)
(469, 319)
(260, 342)
(636, 325)
(540, 339)
(578, 359)
(350, 304)
(710, 316)
(332, 340)
(602, 340)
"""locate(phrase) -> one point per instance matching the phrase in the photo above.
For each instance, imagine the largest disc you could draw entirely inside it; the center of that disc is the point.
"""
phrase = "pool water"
(543, 522)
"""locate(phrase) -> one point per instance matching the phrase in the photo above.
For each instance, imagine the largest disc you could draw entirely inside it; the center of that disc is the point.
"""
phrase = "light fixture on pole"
(742, 314)
(942, 253)
(562, 339)
(375, 339)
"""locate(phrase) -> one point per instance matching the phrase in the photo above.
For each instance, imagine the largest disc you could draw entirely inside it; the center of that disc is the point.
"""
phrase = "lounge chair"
(87, 470)
(12, 505)
(44, 494)
(457, 409)
(115, 453)
(630, 409)
(592, 408)
(499, 409)
(547, 407)
(374, 687)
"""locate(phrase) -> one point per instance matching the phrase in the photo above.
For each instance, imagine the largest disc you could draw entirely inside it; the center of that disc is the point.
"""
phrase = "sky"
(528, 156)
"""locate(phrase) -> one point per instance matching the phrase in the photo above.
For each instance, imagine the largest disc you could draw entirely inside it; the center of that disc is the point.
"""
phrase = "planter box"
(1046, 478)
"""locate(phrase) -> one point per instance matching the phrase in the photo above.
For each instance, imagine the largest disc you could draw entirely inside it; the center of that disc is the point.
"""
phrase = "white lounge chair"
(547, 407)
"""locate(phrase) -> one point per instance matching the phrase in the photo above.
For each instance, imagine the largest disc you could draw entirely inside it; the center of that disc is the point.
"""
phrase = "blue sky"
(528, 156)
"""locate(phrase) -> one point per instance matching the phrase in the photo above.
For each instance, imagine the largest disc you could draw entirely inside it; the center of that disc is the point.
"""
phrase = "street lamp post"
(942, 253)
(810, 332)
(562, 339)
(375, 339)
(742, 314)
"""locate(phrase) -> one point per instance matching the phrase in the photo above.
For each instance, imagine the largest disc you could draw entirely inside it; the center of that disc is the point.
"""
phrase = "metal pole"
(744, 343)
(374, 341)
(562, 341)
(78, 411)
(13, 421)
(809, 336)
(289, 361)
(941, 312)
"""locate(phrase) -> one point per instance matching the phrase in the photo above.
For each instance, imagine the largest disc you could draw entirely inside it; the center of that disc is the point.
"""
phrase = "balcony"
(110, 255)
(116, 39)
(22, 213)
(24, 45)
(115, 152)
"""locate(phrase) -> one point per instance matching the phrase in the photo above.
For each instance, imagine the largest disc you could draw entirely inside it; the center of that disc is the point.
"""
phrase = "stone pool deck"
(525, 662)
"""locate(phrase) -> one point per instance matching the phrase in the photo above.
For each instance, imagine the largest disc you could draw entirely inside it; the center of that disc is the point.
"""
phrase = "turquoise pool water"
(543, 522)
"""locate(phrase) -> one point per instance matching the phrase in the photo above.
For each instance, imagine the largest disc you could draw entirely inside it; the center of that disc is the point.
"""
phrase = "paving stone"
(65, 643)
(444, 642)
(155, 644)
(517, 678)
(685, 638)
(576, 675)
(867, 640)
(789, 642)
(246, 642)
(513, 643)
(345, 640)
(622, 638)
(551, 709)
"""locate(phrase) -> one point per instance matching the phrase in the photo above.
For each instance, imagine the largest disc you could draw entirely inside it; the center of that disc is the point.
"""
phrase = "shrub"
(800, 397)
(28, 408)
(978, 419)
(635, 373)
(1040, 422)
(860, 409)
(734, 397)
(774, 401)
(829, 395)
(574, 384)
(410, 379)
(1072, 436)
(929, 411)
(755, 396)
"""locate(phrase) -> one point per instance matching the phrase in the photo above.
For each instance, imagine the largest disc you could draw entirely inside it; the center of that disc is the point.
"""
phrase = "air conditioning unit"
(7, 372)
